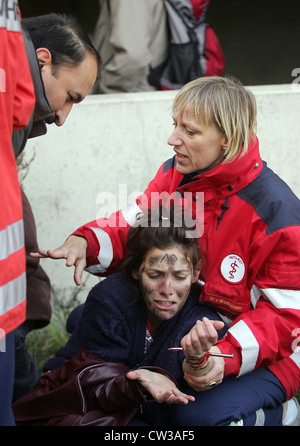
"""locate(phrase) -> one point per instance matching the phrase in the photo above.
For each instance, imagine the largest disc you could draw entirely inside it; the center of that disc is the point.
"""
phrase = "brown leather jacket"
(84, 391)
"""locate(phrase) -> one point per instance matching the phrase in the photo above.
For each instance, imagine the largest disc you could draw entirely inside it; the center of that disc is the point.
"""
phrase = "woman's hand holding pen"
(202, 370)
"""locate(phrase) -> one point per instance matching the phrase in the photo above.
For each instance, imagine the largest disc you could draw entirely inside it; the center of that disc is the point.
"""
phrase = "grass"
(43, 343)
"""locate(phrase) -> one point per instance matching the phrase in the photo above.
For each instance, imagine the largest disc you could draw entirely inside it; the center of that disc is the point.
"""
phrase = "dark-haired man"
(64, 65)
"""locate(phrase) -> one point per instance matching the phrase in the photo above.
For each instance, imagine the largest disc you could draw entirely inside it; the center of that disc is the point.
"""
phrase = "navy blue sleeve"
(106, 326)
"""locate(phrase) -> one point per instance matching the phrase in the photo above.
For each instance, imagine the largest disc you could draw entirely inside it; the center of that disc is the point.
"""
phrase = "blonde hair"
(225, 102)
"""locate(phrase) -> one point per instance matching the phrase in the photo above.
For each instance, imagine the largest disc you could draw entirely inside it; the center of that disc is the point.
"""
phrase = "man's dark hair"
(63, 36)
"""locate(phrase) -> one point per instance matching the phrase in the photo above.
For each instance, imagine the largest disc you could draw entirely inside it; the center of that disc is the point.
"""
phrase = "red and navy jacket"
(249, 233)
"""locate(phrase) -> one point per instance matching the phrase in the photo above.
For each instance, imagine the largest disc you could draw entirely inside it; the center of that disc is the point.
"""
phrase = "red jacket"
(250, 241)
(16, 106)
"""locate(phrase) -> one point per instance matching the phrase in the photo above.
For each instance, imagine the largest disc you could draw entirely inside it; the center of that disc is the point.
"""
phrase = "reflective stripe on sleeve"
(9, 16)
(105, 256)
(255, 295)
(250, 347)
(260, 418)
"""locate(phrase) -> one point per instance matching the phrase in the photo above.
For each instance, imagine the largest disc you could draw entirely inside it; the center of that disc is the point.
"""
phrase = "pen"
(222, 355)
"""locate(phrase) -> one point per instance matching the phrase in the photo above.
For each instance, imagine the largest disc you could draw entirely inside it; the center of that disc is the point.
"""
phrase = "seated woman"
(133, 317)
(250, 243)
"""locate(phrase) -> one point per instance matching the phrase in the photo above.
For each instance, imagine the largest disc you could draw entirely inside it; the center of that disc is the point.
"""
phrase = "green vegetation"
(43, 343)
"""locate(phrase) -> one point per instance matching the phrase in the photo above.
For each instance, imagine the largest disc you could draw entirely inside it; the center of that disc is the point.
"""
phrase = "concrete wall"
(109, 149)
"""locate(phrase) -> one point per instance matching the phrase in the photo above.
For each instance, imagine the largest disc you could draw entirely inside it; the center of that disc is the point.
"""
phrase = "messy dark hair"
(63, 36)
(158, 228)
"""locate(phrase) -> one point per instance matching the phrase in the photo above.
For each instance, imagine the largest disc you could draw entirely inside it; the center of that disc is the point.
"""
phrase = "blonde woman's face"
(197, 146)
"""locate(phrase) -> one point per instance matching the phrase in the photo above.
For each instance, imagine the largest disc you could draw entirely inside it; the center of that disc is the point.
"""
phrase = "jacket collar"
(232, 177)
(42, 112)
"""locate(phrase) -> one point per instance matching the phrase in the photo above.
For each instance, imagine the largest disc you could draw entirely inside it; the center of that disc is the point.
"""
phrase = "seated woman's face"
(197, 146)
(166, 277)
